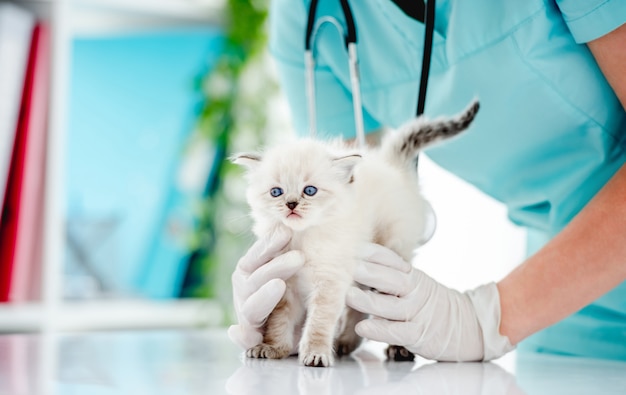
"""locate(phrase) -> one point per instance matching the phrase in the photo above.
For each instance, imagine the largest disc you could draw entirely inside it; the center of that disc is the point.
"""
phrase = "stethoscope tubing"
(312, 30)
(353, 65)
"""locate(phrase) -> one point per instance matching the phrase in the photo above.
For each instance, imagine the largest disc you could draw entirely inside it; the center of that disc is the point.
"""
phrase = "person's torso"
(551, 131)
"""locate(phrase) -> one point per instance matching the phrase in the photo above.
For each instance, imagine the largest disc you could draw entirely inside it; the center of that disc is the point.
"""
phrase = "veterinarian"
(550, 143)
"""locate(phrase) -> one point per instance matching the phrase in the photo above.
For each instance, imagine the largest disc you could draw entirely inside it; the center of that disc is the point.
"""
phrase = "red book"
(16, 32)
(20, 229)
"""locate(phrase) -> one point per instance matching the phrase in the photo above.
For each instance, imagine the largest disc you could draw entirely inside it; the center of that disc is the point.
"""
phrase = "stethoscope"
(312, 29)
(349, 34)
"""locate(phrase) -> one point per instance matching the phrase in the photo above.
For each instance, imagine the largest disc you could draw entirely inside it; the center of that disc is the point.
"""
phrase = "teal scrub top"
(550, 132)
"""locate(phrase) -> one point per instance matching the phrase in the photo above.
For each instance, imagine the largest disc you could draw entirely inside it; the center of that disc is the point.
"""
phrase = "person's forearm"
(588, 258)
(584, 261)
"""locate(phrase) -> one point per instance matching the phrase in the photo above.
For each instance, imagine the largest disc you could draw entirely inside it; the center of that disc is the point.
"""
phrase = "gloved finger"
(376, 253)
(391, 332)
(261, 303)
(283, 267)
(263, 250)
(385, 306)
(244, 336)
(384, 279)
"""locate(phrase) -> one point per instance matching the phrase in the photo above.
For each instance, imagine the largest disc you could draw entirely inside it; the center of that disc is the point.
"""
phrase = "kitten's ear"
(247, 160)
(345, 166)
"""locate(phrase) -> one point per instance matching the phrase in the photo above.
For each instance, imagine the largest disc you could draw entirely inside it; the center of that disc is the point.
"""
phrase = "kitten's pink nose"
(292, 205)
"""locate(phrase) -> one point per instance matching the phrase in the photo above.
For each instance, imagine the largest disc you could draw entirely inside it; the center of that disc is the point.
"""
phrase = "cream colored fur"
(367, 195)
(359, 199)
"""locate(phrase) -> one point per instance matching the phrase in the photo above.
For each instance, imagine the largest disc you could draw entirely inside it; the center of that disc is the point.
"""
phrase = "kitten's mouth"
(293, 214)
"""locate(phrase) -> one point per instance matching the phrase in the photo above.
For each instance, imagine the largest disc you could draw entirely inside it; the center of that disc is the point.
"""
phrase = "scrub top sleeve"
(591, 19)
(335, 117)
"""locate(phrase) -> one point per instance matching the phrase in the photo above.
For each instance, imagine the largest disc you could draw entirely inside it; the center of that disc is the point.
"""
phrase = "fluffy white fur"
(359, 199)
(369, 195)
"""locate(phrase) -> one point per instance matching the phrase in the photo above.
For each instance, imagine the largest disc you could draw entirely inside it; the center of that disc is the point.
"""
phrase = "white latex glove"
(259, 284)
(412, 310)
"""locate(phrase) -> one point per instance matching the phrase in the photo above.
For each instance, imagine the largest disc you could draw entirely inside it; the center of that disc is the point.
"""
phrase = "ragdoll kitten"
(334, 198)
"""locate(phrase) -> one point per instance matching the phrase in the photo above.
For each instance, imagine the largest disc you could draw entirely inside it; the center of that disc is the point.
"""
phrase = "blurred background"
(142, 221)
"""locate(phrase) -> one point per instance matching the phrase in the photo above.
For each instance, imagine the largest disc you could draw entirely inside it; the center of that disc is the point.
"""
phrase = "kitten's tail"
(401, 147)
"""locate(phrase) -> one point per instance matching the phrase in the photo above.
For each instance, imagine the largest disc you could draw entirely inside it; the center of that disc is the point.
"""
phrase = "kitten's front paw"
(266, 351)
(399, 353)
(317, 360)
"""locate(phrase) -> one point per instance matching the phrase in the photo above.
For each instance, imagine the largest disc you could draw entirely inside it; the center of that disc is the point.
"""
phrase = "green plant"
(233, 113)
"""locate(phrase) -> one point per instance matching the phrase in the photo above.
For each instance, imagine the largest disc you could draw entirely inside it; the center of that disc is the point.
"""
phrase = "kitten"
(334, 198)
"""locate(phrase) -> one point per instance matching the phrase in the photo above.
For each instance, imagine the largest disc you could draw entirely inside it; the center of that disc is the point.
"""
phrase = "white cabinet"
(68, 19)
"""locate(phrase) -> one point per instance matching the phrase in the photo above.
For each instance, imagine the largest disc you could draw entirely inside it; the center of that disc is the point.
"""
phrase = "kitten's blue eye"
(310, 190)
(276, 192)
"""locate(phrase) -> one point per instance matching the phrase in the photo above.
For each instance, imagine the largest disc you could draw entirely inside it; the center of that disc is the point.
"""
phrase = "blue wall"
(133, 105)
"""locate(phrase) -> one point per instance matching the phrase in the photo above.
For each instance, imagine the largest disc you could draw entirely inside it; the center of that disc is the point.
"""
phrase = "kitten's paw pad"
(317, 360)
(399, 353)
(266, 351)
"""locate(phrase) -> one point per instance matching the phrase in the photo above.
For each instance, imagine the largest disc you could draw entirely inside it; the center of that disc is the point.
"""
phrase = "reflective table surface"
(205, 362)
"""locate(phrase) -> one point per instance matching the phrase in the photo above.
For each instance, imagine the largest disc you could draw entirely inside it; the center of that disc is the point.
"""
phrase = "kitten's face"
(298, 185)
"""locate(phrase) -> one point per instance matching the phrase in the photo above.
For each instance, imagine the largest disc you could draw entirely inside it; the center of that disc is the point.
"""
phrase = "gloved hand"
(259, 283)
(412, 310)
